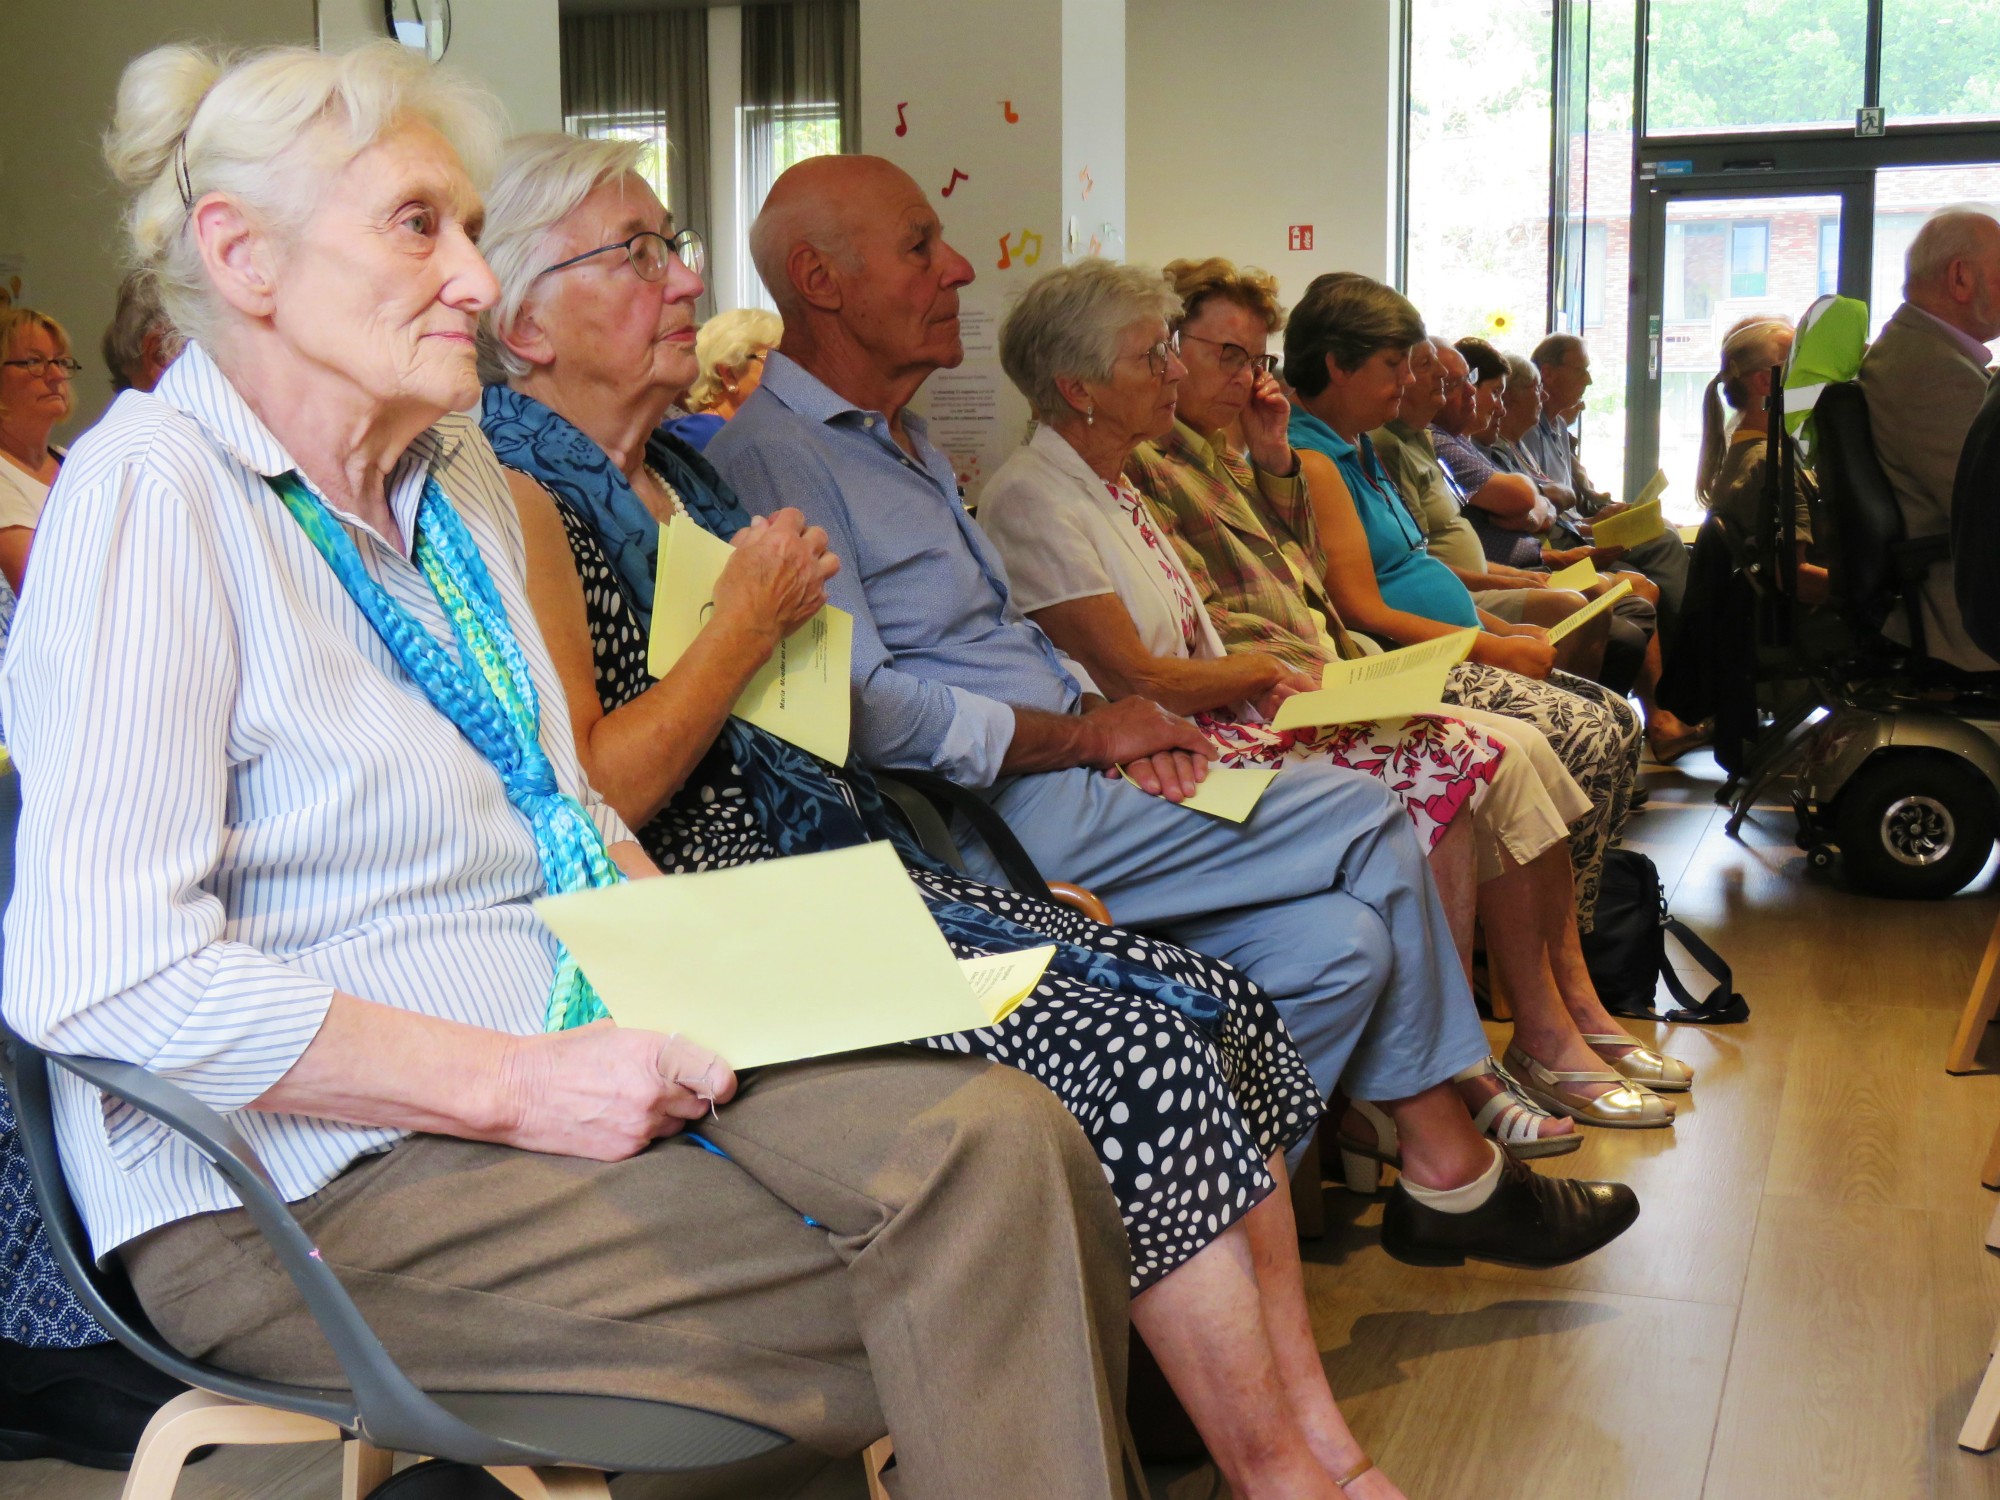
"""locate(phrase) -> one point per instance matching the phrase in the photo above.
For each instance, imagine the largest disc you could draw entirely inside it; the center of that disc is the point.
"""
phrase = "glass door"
(1720, 257)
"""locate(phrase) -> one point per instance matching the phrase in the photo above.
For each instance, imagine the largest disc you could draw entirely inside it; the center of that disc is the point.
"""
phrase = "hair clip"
(181, 178)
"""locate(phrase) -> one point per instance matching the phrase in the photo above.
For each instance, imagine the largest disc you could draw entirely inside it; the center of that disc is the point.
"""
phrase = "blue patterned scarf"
(486, 691)
(803, 805)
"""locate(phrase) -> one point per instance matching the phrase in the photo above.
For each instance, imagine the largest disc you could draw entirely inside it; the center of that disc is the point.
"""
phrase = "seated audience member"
(730, 347)
(1349, 342)
(1087, 564)
(1320, 896)
(332, 938)
(1507, 510)
(1924, 377)
(140, 343)
(1734, 462)
(591, 355)
(36, 393)
(1564, 366)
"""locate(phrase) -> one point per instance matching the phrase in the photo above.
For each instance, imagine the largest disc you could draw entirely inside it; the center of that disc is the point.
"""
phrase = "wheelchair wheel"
(1916, 826)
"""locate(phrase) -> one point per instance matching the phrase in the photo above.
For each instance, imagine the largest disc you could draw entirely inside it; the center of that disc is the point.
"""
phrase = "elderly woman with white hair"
(1735, 459)
(1217, 1286)
(730, 348)
(286, 729)
(1091, 565)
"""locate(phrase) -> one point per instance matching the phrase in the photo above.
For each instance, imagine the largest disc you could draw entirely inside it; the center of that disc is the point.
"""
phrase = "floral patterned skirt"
(1436, 766)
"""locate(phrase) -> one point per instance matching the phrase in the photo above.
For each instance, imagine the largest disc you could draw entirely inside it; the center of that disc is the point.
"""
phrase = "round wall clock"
(424, 25)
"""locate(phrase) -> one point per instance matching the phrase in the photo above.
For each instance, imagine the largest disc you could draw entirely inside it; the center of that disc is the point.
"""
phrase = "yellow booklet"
(1629, 528)
(1578, 575)
(1225, 793)
(785, 959)
(1590, 611)
(1393, 685)
(801, 694)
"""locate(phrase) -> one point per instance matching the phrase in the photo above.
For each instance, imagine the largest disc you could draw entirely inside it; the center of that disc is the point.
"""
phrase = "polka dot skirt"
(1183, 1122)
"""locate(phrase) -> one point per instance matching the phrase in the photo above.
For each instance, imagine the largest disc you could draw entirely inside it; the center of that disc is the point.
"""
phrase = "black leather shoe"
(1529, 1221)
(84, 1406)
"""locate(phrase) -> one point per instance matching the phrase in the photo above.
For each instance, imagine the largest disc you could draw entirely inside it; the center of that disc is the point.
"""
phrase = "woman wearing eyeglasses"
(35, 395)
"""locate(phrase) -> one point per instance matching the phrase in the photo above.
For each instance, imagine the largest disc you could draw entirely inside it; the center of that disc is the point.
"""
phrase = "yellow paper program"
(1393, 685)
(1629, 527)
(1590, 611)
(801, 694)
(786, 958)
(1225, 793)
(1578, 575)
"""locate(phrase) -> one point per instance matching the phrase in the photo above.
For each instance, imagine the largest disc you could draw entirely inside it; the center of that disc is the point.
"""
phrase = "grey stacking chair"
(542, 1447)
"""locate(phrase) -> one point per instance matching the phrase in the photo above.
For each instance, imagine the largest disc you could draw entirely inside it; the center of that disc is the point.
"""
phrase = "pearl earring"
(1090, 417)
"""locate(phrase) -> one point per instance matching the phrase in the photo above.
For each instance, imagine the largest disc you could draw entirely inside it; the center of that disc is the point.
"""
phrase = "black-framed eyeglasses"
(1233, 359)
(648, 254)
(65, 369)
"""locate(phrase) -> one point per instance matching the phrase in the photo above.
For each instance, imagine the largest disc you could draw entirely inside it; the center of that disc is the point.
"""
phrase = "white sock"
(1460, 1200)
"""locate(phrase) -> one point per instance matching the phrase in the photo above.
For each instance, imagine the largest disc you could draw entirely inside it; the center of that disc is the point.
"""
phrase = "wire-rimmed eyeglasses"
(648, 253)
(63, 368)
(1233, 359)
(1159, 356)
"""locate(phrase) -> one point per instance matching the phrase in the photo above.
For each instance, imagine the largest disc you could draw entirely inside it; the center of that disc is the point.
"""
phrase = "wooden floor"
(1803, 1308)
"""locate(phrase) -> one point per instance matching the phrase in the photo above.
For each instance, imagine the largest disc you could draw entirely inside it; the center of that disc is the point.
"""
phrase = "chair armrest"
(1916, 556)
(1083, 900)
(394, 1412)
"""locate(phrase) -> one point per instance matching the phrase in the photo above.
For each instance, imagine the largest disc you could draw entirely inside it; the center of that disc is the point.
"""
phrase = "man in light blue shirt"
(1322, 896)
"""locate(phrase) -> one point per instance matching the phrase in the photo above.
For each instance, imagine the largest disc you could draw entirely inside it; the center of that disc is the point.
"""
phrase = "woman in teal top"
(1408, 576)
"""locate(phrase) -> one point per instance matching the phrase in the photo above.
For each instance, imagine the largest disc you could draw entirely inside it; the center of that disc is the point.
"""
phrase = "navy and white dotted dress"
(1183, 1121)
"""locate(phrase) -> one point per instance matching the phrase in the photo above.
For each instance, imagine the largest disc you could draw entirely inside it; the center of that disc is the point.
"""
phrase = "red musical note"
(1007, 112)
(956, 178)
(1006, 258)
(902, 125)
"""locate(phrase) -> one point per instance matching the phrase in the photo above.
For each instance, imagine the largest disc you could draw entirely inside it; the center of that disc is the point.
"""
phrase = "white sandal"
(1510, 1119)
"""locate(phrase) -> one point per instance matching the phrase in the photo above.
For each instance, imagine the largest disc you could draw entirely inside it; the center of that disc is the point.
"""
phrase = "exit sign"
(1300, 237)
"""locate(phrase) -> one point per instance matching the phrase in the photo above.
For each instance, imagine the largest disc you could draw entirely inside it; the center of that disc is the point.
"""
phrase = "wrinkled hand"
(1267, 421)
(1611, 508)
(1523, 654)
(1288, 684)
(1527, 632)
(1162, 752)
(776, 581)
(605, 1092)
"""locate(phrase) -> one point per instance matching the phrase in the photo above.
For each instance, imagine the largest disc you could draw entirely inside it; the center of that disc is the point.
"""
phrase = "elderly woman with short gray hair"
(287, 729)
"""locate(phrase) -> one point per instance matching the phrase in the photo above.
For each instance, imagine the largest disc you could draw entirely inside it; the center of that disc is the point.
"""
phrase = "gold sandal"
(1354, 1473)
(1629, 1106)
(1641, 1064)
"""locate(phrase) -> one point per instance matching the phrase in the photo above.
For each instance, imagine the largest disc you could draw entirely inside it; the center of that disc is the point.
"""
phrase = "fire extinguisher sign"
(1300, 237)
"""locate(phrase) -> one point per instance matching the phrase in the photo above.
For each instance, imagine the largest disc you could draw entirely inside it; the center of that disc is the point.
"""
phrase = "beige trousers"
(1528, 806)
(966, 1294)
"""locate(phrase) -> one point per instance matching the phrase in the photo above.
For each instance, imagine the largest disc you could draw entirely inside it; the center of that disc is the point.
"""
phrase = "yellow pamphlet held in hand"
(785, 959)
(801, 694)
(1578, 575)
(1225, 793)
(1590, 611)
(1393, 685)
(1629, 528)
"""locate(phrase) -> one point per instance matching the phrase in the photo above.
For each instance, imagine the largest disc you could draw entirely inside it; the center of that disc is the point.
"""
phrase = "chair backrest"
(1975, 527)
(1863, 522)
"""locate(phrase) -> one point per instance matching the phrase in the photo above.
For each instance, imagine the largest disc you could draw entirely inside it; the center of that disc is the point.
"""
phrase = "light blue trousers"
(1322, 897)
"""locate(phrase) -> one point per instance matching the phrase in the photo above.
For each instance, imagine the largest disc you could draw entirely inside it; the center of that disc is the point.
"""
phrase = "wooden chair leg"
(363, 1469)
(1980, 1007)
(873, 1461)
(197, 1419)
(1993, 1229)
(1990, 1174)
(554, 1483)
(1981, 1433)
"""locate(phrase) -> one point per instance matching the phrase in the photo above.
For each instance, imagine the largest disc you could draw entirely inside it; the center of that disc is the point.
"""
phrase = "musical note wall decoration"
(1087, 181)
(1010, 249)
(902, 125)
(1006, 259)
(956, 178)
(1009, 113)
(1029, 257)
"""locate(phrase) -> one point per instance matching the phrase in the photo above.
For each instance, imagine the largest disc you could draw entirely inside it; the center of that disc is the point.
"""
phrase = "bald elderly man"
(1925, 377)
(1323, 896)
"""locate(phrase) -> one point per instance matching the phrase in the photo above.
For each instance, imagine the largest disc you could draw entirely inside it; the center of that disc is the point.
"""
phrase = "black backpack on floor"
(1627, 952)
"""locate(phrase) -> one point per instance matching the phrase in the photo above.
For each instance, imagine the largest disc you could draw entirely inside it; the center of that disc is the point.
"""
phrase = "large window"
(1904, 198)
(1940, 59)
(1477, 250)
(1729, 65)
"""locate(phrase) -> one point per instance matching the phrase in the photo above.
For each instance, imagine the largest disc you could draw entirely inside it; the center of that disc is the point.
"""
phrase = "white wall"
(1058, 65)
(514, 47)
(59, 208)
(1236, 130)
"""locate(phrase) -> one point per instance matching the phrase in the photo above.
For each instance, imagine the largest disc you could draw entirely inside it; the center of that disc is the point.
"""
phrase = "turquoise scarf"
(486, 691)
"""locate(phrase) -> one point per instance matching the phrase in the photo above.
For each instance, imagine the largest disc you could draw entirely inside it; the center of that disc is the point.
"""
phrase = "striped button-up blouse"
(236, 801)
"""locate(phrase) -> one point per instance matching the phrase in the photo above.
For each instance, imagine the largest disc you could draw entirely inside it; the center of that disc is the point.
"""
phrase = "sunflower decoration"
(1499, 323)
